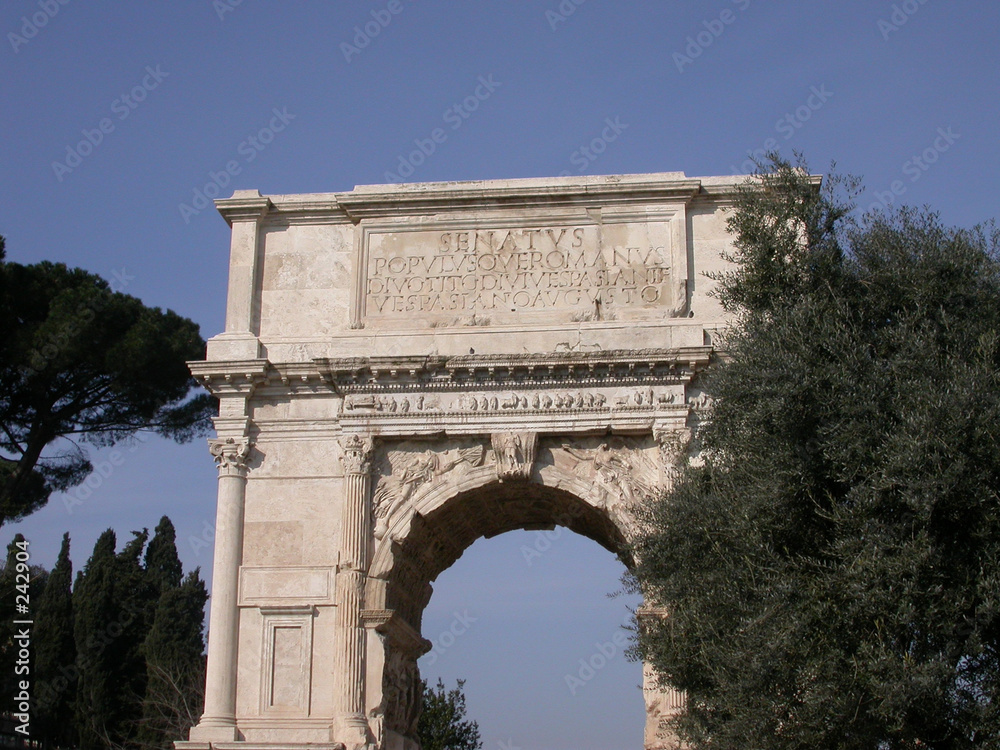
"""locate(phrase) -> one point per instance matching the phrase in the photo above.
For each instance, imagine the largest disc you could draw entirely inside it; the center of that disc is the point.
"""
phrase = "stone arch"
(425, 535)
(444, 508)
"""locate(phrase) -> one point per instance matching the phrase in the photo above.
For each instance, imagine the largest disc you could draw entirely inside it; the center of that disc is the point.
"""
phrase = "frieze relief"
(535, 400)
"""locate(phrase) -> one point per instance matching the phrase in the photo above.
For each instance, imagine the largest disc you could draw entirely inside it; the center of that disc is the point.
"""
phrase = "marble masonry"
(407, 368)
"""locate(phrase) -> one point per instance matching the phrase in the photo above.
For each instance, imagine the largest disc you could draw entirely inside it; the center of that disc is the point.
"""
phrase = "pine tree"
(55, 655)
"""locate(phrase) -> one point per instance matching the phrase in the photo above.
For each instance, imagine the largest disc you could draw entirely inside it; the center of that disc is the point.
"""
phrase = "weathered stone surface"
(408, 368)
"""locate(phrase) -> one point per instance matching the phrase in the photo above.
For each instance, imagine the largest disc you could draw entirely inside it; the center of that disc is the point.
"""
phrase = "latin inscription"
(585, 271)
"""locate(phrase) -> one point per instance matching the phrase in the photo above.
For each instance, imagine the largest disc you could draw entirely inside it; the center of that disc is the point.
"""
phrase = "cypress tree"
(163, 568)
(135, 598)
(175, 664)
(55, 654)
(97, 626)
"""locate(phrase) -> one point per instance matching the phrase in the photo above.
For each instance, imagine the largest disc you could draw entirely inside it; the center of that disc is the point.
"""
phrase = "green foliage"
(832, 571)
(138, 640)
(55, 655)
(97, 626)
(78, 359)
(442, 724)
(175, 666)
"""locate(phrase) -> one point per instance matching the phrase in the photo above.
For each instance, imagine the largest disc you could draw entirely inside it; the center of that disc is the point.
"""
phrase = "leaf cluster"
(442, 724)
(832, 569)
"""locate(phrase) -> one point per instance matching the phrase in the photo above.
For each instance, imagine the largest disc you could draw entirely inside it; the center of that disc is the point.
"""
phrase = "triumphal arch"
(407, 368)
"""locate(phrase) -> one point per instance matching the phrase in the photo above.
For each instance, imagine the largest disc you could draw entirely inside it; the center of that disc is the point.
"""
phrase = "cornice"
(390, 374)
(244, 205)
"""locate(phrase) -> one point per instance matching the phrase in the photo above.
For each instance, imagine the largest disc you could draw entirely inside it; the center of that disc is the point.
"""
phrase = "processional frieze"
(556, 399)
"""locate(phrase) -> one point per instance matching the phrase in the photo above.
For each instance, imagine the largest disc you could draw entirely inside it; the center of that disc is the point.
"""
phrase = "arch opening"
(427, 538)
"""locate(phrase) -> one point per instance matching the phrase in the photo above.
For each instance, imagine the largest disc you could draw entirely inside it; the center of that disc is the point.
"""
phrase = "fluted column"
(218, 722)
(352, 726)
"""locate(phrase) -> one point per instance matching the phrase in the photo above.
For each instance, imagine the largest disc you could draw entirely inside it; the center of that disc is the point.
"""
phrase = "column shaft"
(218, 722)
(350, 640)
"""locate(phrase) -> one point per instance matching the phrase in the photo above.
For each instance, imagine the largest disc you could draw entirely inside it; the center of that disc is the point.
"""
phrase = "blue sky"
(166, 96)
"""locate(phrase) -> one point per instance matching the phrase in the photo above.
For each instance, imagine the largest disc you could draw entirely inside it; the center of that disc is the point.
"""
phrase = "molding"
(244, 205)
(399, 632)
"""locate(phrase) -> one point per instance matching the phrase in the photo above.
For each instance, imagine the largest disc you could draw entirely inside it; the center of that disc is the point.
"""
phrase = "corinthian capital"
(230, 454)
(356, 453)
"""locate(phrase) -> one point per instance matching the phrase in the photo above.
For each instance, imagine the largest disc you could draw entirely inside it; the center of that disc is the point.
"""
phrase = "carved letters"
(575, 269)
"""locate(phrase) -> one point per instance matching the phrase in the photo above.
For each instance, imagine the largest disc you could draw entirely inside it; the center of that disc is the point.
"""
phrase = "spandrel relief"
(407, 468)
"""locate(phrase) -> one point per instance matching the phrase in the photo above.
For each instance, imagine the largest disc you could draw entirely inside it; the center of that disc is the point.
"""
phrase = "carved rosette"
(231, 455)
(515, 454)
(356, 453)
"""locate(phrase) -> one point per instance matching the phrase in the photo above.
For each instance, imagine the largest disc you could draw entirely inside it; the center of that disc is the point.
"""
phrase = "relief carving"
(356, 454)
(401, 694)
(515, 454)
(673, 445)
(410, 471)
(622, 475)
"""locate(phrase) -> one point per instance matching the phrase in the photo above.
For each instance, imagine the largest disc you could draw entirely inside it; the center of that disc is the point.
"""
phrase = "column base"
(354, 735)
(202, 733)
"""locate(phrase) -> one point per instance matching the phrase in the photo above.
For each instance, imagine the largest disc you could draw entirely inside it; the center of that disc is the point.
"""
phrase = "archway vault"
(427, 537)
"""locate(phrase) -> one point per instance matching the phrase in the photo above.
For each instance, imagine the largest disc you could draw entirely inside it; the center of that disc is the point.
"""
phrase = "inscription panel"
(458, 275)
